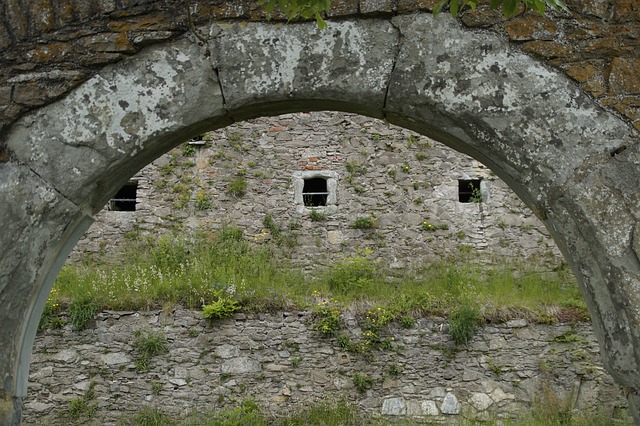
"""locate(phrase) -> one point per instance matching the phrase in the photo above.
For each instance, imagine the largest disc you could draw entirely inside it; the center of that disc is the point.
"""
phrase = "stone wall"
(51, 47)
(281, 363)
(406, 182)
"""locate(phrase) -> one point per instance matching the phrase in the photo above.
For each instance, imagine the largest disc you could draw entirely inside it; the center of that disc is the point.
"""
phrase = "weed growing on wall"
(150, 416)
(156, 387)
(237, 187)
(339, 412)
(188, 150)
(52, 314)
(148, 345)
(364, 222)
(352, 275)
(248, 413)
(476, 196)
(355, 169)
(407, 321)
(81, 311)
(182, 192)
(203, 200)
(317, 216)
(223, 304)
(463, 322)
(282, 239)
(179, 269)
(271, 225)
(83, 408)
(428, 226)
(393, 173)
(169, 252)
(230, 234)
(372, 322)
(568, 336)
(348, 345)
(394, 370)
(328, 321)
(342, 412)
(362, 381)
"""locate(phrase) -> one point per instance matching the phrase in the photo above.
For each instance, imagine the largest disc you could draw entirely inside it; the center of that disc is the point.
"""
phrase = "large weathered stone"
(239, 365)
(393, 407)
(625, 76)
(450, 404)
(531, 27)
(345, 66)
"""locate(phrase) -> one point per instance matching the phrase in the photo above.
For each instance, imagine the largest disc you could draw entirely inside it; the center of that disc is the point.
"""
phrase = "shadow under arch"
(575, 165)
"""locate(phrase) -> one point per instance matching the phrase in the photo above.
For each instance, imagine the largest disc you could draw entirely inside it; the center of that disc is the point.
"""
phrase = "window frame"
(331, 177)
(111, 205)
(478, 183)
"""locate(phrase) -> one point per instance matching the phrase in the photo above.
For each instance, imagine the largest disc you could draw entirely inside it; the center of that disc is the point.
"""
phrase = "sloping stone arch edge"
(470, 90)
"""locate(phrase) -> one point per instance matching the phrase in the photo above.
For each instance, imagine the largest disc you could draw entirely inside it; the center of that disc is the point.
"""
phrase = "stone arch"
(575, 165)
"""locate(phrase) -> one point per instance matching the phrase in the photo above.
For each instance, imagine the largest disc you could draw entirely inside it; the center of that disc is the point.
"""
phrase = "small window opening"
(125, 198)
(469, 191)
(314, 192)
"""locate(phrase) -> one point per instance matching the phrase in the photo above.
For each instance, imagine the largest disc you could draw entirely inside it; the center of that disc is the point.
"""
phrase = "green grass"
(148, 345)
(207, 267)
(343, 413)
(186, 271)
(83, 407)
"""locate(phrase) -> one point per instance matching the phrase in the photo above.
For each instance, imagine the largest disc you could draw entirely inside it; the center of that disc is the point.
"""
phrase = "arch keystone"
(300, 67)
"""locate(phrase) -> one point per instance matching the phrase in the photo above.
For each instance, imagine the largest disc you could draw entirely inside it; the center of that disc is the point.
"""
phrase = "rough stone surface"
(393, 407)
(402, 180)
(480, 401)
(497, 110)
(574, 163)
(240, 365)
(625, 76)
(30, 209)
(124, 109)
(71, 36)
(347, 65)
(299, 367)
(450, 404)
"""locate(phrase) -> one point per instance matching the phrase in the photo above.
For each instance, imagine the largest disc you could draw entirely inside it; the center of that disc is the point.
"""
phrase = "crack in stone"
(215, 60)
(51, 186)
(400, 44)
(224, 99)
(635, 242)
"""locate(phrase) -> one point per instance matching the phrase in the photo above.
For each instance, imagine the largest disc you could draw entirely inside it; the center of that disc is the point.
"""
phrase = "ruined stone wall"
(407, 183)
(277, 360)
(49, 47)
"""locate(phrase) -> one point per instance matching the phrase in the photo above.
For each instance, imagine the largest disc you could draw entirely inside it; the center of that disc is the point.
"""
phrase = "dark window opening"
(125, 198)
(314, 192)
(469, 191)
